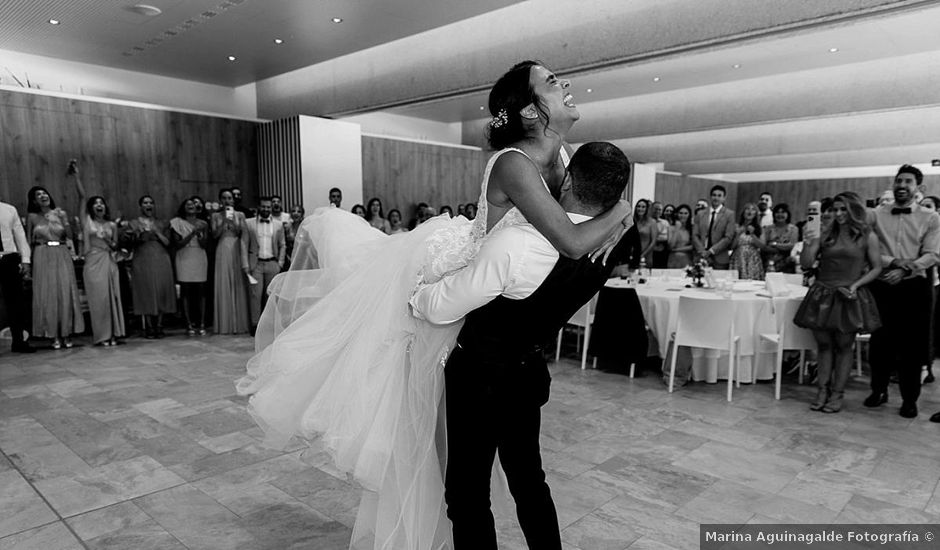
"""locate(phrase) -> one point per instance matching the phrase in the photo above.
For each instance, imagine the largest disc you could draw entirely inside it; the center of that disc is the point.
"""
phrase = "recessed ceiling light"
(589, 90)
(833, 50)
(736, 66)
(278, 41)
(656, 79)
(53, 21)
(231, 58)
(481, 108)
(337, 20)
(145, 10)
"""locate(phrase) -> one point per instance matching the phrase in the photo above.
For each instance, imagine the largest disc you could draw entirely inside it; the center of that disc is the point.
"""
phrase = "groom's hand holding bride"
(604, 251)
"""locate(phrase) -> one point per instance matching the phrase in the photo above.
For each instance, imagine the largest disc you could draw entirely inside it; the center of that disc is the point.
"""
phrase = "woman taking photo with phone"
(230, 311)
(838, 306)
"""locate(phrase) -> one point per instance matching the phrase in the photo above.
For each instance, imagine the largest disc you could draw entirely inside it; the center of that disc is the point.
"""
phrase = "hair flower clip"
(501, 118)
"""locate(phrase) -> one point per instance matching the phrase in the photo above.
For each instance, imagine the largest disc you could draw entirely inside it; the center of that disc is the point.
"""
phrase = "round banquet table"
(755, 312)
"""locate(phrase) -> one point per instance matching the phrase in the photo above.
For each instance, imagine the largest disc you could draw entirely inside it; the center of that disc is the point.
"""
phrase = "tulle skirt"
(341, 358)
(827, 309)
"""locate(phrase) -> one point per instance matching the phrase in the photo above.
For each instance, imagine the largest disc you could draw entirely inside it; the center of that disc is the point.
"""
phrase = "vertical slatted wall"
(279, 161)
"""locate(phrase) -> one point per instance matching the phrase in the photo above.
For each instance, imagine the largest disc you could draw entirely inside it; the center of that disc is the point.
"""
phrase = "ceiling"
(705, 87)
(192, 39)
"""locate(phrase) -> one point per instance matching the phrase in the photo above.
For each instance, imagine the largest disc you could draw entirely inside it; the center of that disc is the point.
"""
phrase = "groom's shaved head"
(599, 174)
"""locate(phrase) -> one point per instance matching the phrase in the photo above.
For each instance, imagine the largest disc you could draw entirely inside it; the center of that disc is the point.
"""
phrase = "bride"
(339, 356)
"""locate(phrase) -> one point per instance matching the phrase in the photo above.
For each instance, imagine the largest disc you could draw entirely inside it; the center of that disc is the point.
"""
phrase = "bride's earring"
(529, 112)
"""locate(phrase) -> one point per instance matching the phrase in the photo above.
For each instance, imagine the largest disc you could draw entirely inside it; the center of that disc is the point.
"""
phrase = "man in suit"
(516, 293)
(713, 231)
(267, 249)
(14, 267)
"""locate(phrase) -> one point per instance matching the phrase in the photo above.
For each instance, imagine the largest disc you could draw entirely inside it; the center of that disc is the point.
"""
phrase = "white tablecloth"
(754, 314)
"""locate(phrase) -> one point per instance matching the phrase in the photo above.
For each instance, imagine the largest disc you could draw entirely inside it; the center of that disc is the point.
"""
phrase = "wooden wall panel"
(403, 173)
(797, 194)
(678, 189)
(124, 152)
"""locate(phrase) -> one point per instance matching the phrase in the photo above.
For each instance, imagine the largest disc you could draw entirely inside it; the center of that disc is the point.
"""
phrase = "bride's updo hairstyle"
(509, 96)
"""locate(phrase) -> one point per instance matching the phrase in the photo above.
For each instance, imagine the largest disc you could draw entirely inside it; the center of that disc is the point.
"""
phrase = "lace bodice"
(453, 246)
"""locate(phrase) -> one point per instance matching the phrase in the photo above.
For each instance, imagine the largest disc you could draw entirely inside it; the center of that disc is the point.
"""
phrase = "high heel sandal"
(56, 344)
(68, 343)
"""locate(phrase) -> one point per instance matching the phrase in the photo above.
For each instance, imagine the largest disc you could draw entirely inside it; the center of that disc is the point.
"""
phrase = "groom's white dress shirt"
(512, 262)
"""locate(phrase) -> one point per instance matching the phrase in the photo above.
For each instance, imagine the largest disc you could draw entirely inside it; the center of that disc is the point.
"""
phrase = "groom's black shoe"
(908, 410)
(876, 399)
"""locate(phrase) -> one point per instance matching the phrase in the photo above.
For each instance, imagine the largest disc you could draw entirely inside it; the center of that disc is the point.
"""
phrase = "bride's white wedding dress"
(341, 358)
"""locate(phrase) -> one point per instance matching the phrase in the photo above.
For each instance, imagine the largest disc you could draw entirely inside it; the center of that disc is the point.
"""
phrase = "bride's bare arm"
(519, 179)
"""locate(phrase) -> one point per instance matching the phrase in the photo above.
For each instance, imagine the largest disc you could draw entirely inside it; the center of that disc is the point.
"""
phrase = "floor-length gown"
(151, 270)
(230, 304)
(57, 309)
(102, 282)
(340, 357)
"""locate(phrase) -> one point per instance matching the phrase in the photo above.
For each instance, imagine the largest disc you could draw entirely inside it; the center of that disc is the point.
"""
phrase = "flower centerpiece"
(697, 272)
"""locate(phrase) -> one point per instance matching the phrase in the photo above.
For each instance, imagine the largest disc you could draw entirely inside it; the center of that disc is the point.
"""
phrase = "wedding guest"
(839, 305)
(336, 197)
(359, 211)
(764, 208)
(201, 211)
(395, 222)
(57, 311)
(909, 236)
(447, 210)
(470, 211)
(239, 207)
(267, 250)
(419, 215)
(297, 214)
(277, 210)
(152, 270)
(700, 205)
(230, 298)
(647, 230)
(426, 215)
(932, 203)
(680, 238)
(713, 230)
(779, 239)
(15, 256)
(100, 273)
(747, 245)
(375, 216)
(190, 235)
(660, 252)
(461, 210)
(669, 213)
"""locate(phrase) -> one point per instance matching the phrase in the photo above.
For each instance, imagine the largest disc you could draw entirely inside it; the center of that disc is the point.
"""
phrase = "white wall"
(399, 126)
(56, 75)
(644, 182)
(330, 156)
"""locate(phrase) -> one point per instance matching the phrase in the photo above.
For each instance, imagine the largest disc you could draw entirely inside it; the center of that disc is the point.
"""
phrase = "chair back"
(705, 322)
(584, 316)
(793, 278)
(671, 272)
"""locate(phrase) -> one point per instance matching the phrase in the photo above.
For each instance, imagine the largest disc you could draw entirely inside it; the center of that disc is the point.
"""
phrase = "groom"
(516, 293)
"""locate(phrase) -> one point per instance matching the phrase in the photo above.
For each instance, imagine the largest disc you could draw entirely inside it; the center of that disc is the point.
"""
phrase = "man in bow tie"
(910, 245)
(267, 249)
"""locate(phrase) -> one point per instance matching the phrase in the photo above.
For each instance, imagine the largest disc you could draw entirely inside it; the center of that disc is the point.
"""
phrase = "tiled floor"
(146, 446)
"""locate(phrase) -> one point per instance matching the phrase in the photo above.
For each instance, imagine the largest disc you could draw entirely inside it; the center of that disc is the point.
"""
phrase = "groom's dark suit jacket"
(504, 340)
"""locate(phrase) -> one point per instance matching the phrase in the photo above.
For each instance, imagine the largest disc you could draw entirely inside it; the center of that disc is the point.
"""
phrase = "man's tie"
(901, 210)
(711, 225)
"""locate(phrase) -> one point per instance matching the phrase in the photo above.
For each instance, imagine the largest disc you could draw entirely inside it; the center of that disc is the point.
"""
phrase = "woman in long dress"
(57, 310)
(100, 272)
(747, 245)
(341, 357)
(231, 268)
(151, 270)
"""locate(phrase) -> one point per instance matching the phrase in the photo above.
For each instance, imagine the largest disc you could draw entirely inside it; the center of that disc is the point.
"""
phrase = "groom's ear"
(567, 183)
(529, 112)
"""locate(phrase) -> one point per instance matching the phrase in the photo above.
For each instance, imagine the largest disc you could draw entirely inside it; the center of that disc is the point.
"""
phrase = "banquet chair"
(861, 338)
(788, 336)
(706, 323)
(793, 278)
(584, 319)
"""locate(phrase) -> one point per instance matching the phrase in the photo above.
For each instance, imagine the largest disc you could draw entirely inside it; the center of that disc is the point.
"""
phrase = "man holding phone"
(910, 243)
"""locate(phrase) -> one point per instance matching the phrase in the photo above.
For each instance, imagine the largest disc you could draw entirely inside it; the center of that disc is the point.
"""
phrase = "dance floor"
(146, 446)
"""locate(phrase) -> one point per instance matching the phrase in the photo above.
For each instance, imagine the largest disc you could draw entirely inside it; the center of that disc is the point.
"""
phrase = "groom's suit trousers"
(495, 408)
